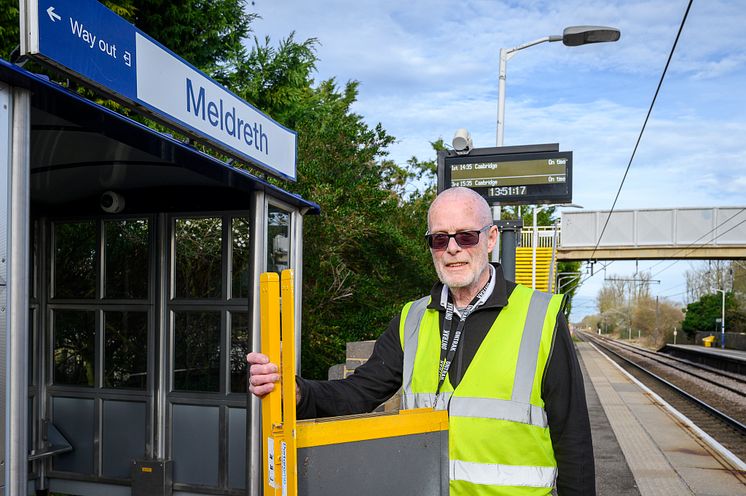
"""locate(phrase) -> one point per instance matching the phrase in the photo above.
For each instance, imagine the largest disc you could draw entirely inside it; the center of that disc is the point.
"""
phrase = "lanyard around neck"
(449, 345)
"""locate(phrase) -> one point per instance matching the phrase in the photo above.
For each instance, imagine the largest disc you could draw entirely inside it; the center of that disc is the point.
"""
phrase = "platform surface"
(662, 455)
(734, 354)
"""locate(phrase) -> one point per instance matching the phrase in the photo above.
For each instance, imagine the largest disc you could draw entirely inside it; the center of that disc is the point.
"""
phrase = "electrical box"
(152, 477)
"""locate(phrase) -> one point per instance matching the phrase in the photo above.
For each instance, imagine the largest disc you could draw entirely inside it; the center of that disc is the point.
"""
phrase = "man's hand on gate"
(262, 374)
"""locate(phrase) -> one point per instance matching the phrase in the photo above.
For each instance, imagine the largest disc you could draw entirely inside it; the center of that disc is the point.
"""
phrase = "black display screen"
(510, 178)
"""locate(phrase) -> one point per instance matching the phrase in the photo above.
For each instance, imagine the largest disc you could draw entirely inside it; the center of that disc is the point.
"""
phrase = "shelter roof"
(79, 149)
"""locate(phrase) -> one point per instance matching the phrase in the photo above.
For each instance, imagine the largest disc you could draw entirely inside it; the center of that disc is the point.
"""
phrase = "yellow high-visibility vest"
(499, 441)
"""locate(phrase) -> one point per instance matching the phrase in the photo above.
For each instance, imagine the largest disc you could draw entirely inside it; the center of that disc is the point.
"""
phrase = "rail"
(545, 234)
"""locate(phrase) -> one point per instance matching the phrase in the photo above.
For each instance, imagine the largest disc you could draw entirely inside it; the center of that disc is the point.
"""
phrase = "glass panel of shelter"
(80, 295)
(102, 308)
(210, 335)
(211, 286)
(278, 237)
(100, 319)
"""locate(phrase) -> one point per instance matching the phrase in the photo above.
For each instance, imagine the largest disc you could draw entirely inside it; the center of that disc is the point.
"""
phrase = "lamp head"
(583, 35)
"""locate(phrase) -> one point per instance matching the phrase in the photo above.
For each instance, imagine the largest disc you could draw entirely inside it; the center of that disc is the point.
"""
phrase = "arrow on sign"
(53, 15)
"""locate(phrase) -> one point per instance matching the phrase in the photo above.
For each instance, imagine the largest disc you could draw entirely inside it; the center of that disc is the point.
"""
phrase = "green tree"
(9, 27)
(701, 315)
(364, 255)
(209, 35)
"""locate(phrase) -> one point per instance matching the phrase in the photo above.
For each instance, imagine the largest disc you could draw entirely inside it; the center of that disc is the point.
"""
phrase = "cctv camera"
(462, 141)
(112, 202)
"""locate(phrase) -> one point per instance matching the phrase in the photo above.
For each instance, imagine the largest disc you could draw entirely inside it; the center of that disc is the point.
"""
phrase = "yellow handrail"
(278, 419)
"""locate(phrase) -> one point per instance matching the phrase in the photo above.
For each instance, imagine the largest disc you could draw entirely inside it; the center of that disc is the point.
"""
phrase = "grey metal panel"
(4, 223)
(664, 228)
(695, 226)
(124, 424)
(578, 229)
(195, 445)
(412, 465)
(620, 230)
(237, 448)
(655, 227)
(161, 360)
(731, 225)
(40, 342)
(297, 265)
(75, 418)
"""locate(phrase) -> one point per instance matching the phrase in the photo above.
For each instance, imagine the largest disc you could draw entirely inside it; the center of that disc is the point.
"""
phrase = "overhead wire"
(677, 261)
(644, 125)
(639, 139)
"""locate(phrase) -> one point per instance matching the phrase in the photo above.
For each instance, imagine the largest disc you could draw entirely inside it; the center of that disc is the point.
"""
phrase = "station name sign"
(93, 44)
(533, 174)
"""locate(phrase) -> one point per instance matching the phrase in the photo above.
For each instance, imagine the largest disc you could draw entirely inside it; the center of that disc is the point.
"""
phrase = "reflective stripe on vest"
(502, 475)
(529, 350)
(524, 413)
(411, 329)
(425, 400)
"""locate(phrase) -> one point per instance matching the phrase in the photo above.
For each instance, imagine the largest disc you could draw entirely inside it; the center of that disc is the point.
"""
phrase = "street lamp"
(571, 36)
(722, 320)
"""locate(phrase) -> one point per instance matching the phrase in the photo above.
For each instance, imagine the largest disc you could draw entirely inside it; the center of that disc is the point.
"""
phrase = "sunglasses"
(465, 239)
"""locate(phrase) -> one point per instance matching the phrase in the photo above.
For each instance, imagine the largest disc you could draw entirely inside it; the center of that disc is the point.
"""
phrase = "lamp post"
(722, 320)
(571, 36)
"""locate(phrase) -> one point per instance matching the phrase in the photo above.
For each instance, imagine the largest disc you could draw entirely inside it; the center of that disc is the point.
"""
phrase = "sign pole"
(510, 232)
(496, 215)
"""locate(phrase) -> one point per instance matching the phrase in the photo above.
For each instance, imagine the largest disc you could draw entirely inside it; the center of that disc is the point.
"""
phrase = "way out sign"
(94, 45)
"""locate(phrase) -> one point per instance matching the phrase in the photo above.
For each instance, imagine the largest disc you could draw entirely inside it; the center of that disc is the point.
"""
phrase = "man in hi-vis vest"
(496, 354)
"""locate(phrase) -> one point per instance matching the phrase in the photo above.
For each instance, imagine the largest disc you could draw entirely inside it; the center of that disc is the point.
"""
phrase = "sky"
(428, 67)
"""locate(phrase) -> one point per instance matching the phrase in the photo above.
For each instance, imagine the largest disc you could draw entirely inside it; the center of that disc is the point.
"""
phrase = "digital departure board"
(510, 175)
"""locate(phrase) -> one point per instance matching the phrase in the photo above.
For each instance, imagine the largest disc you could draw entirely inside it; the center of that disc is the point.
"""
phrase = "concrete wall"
(358, 353)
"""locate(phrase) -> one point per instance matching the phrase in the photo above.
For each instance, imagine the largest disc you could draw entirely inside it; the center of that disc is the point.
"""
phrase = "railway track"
(736, 383)
(715, 402)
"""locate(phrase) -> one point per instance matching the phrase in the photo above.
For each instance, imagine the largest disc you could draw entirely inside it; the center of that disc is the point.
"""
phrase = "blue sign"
(96, 45)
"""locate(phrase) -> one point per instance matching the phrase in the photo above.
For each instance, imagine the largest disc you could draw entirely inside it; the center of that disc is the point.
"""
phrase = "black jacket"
(562, 388)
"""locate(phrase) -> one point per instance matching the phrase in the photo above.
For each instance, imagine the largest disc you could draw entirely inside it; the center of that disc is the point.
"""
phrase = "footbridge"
(653, 234)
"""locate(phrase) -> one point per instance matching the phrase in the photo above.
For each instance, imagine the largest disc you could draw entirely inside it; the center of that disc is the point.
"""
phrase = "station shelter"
(136, 257)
